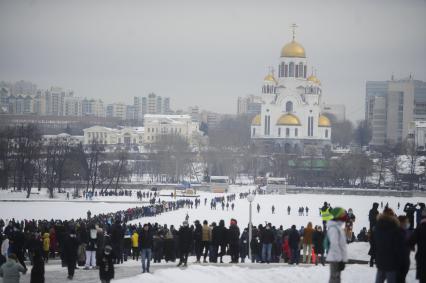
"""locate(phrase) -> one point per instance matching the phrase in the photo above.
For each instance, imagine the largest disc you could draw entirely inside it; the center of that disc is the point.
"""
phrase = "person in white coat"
(338, 252)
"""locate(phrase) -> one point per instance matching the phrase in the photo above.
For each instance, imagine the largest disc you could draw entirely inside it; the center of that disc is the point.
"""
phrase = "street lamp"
(250, 198)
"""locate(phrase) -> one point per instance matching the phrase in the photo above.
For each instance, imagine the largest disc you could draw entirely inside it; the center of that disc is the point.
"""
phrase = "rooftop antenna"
(293, 27)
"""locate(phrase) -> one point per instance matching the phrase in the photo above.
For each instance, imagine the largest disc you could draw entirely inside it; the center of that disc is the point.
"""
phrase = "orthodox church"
(291, 117)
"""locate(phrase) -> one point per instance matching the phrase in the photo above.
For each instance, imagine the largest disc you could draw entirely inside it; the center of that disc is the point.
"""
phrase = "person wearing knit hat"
(337, 253)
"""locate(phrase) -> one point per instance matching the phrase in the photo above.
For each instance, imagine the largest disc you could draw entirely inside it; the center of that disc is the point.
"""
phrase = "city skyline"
(208, 54)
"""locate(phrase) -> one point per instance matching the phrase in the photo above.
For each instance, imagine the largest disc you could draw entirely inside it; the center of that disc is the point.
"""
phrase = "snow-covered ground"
(42, 208)
(66, 209)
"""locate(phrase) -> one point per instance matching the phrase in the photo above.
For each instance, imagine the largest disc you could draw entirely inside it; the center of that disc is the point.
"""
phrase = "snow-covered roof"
(162, 116)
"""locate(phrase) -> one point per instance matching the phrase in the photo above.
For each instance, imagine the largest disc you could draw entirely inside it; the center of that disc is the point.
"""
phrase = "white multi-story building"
(109, 136)
(93, 107)
(291, 115)
(72, 106)
(116, 110)
(157, 125)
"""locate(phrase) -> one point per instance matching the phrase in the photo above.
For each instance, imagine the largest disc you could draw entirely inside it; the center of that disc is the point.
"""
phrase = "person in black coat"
(244, 245)
(70, 252)
(405, 260)
(37, 272)
(117, 237)
(419, 238)
(388, 243)
(185, 239)
(221, 239)
(233, 237)
(146, 242)
(318, 243)
(106, 265)
(293, 242)
(197, 240)
(372, 215)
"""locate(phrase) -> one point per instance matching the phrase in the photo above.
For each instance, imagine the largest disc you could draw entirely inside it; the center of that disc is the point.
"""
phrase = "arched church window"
(326, 133)
(279, 132)
(289, 106)
(300, 69)
(286, 70)
(296, 74)
(291, 70)
(304, 71)
(296, 132)
(287, 132)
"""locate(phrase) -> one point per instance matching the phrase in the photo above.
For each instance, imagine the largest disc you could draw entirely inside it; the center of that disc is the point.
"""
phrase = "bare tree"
(56, 153)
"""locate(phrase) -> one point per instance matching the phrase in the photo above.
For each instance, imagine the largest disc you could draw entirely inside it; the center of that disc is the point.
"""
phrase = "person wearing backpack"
(337, 247)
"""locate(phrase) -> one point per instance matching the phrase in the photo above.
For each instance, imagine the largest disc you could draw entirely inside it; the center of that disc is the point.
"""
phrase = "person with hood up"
(10, 271)
(337, 251)
(37, 272)
(106, 265)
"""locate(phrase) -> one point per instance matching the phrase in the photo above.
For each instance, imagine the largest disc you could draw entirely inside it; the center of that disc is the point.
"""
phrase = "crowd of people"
(105, 240)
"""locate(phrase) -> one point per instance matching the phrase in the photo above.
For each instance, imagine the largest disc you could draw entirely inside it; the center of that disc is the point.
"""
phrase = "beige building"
(157, 125)
(110, 136)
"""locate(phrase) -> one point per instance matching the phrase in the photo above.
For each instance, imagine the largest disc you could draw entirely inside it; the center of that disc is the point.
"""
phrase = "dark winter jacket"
(198, 232)
(388, 243)
(70, 248)
(219, 235)
(185, 239)
(37, 272)
(267, 236)
(419, 239)
(106, 267)
(317, 241)
(372, 216)
(293, 238)
(146, 239)
(233, 234)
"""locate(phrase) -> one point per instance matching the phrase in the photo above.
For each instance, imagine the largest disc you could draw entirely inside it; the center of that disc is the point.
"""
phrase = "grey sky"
(208, 53)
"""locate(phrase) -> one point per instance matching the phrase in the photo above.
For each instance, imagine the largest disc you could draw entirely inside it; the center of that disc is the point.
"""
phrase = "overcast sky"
(208, 53)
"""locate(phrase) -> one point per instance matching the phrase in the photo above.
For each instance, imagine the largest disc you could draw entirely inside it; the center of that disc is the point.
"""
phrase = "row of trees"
(26, 161)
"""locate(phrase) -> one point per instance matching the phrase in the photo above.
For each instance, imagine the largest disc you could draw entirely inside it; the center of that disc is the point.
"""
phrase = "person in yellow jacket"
(46, 246)
(135, 245)
(325, 214)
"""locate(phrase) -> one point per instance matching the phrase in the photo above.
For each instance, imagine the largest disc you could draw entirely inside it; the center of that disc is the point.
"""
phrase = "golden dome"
(288, 120)
(256, 120)
(323, 121)
(270, 78)
(314, 79)
(293, 49)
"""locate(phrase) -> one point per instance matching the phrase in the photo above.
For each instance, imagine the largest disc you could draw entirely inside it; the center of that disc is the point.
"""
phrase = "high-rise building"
(152, 104)
(55, 101)
(251, 104)
(116, 110)
(194, 112)
(391, 106)
(72, 106)
(93, 107)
